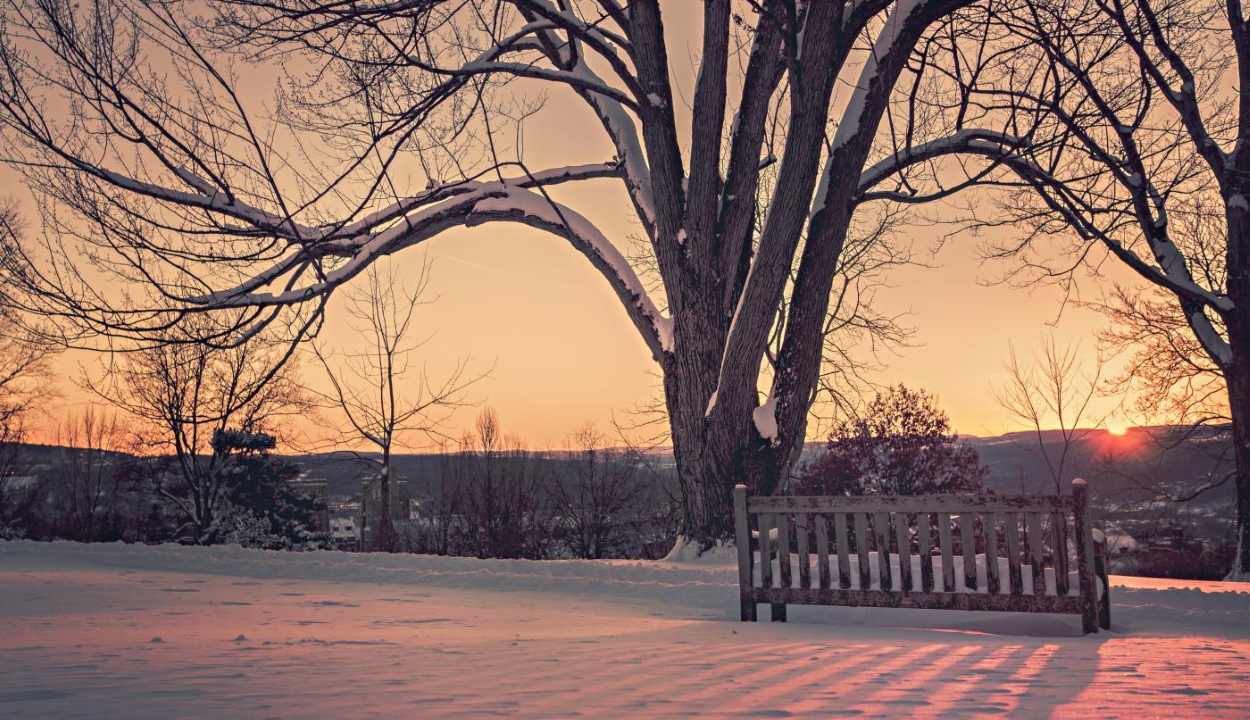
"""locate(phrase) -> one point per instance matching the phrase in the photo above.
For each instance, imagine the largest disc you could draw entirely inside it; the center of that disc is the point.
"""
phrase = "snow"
(1214, 343)
(624, 133)
(711, 403)
(765, 417)
(115, 631)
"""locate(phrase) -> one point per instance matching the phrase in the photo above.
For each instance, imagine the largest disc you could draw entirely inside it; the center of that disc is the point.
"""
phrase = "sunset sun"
(1117, 428)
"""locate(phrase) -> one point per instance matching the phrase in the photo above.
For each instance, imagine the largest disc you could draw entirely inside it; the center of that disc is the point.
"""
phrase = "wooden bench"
(1003, 547)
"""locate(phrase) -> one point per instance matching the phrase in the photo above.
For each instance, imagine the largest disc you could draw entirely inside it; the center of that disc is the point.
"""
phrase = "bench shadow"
(909, 663)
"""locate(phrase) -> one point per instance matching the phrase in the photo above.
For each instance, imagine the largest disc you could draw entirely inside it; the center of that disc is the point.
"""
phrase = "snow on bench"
(1005, 545)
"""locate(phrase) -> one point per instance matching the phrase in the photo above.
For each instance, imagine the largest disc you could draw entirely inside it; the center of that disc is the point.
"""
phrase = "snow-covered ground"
(113, 631)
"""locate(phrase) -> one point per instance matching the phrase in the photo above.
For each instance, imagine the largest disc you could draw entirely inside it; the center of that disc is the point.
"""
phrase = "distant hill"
(1108, 461)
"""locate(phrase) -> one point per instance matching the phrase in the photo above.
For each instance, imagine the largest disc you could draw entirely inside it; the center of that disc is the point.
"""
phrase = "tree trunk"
(382, 534)
(1237, 378)
(714, 453)
(1239, 404)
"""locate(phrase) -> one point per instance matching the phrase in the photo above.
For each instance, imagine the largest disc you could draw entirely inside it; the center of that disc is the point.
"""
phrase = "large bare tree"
(1138, 153)
(403, 120)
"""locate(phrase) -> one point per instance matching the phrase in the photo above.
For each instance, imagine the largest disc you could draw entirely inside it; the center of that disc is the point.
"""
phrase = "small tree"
(902, 444)
(595, 496)
(185, 393)
(375, 388)
(505, 512)
(1053, 390)
(264, 510)
(25, 381)
(88, 488)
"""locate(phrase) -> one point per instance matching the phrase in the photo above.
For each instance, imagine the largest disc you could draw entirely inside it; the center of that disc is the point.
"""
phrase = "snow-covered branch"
(517, 200)
(969, 140)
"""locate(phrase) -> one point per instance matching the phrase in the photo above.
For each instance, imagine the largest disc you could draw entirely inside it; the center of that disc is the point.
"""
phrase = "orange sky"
(564, 353)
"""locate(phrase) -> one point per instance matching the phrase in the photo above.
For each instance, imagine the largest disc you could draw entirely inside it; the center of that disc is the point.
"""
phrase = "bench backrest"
(1033, 532)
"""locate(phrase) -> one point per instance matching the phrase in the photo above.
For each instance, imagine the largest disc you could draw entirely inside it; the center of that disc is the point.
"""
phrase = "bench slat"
(861, 546)
(1059, 525)
(924, 534)
(936, 601)
(993, 581)
(1016, 577)
(822, 550)
(918, 503)
(766, 560)
(903, 538)
(805, 560)
(783, 549)
(844, 551)
(881, 529)
(948, 555)
(1034, 523)
(968, 540)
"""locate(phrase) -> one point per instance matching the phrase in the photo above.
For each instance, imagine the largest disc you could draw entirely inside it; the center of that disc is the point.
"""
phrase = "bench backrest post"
(1100, 569)
(742, 538)
(1081, 522)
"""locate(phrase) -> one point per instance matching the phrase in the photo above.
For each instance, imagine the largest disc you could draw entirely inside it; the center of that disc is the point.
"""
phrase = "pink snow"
(114, 631)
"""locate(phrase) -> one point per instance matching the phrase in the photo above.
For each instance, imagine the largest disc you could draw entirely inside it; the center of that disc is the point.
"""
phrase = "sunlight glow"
(1116, 427)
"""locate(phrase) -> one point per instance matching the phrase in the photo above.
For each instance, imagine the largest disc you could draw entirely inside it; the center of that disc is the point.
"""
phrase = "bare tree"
(505, 510)
(185, 395)
(26, 384)
(1054, 392)
(173, 181)
(1168, 374)
(594, 499)
(88, 488)
(1137, 153)
(376, 387)
(439, 522)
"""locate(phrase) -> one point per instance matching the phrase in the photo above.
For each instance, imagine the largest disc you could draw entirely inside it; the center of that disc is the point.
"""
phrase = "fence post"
(742, 537)
(1085, 556)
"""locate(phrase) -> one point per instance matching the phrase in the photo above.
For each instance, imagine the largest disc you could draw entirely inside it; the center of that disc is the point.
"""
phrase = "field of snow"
(114, 631)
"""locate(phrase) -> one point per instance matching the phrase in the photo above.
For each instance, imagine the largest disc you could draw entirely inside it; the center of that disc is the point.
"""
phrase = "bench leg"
(779, 612)
(1088, 624)
(748, 608)
(1104, 602)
